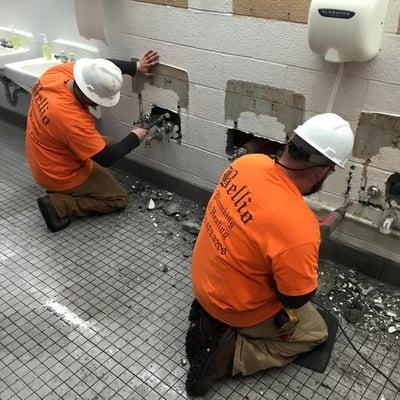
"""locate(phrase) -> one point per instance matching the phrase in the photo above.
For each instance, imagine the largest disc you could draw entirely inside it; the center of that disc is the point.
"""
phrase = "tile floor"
(91, 312)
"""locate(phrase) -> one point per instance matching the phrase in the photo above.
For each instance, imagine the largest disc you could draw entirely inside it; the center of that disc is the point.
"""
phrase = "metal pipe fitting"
(163, 128)
(387, 222)
(12, 98)
(373, 192)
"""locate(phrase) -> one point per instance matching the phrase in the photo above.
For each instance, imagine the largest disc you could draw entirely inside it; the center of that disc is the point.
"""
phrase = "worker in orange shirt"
(257, 254)
(66, 153)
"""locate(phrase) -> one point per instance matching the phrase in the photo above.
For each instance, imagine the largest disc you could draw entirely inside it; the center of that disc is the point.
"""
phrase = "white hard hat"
(100, 80)
(330, 135)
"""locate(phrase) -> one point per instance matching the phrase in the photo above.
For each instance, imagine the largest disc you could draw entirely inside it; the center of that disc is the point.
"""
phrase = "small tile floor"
(91, 312)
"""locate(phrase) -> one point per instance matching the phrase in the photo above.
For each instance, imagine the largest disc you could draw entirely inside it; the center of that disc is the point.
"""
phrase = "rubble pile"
(367, 304)
(172, 215)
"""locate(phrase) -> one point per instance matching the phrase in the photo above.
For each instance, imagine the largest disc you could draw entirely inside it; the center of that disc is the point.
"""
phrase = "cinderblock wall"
(261, 43)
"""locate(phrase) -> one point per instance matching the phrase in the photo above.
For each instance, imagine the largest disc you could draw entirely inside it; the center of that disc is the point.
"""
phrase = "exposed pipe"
(12, 98)
(332, 98)
(317, 207)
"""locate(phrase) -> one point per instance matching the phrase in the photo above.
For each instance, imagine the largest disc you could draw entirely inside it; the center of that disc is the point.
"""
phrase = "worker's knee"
(121, 201)
(323, 336)
(320, 331)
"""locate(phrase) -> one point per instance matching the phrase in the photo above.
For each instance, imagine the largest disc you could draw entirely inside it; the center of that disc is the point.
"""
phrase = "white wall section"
(214, 46)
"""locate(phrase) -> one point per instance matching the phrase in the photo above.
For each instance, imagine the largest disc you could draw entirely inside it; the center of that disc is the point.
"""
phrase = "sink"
(26, 51)
(26, 73)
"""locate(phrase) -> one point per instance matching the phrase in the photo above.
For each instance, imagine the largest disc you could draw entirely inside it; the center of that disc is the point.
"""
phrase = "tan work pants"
(261, 347)
(100, 193)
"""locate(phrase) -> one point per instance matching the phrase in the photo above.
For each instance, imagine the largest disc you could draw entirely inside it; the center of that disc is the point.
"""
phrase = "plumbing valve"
(237, 152)
(159, 133)
(389, 219)
(158, 126)
(373, 192)
(161, 124)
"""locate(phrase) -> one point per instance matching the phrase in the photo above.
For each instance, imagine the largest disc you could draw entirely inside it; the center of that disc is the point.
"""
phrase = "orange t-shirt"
(257, 235)
(61, 136)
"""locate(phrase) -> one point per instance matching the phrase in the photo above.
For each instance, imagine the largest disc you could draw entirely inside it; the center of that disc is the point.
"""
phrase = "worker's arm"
(112, 153)
(126, 67)
(143, 64)
(295, 274)
(295, 301)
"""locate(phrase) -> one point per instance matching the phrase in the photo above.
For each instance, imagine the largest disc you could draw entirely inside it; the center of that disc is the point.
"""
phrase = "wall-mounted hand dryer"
(346, 30)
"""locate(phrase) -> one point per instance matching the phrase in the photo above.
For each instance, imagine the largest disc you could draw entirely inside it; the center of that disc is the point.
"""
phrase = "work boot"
(195, 311)
(201, 330)
(212, 363)
(193, 336)
(53, 221)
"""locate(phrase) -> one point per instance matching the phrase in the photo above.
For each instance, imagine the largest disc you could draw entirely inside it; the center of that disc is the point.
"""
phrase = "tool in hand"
(329, 222)
(286, 319)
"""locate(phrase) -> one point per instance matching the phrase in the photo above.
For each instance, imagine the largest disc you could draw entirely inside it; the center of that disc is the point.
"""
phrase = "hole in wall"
(239, 143)
(392, 192)
(174, 119)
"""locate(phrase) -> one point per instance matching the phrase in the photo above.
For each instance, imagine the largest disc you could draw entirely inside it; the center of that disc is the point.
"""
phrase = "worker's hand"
(140, 133)
(146, 62)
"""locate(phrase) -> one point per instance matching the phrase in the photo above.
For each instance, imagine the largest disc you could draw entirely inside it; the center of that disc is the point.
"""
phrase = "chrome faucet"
(62, 57)
(5, 43)
(387, 222)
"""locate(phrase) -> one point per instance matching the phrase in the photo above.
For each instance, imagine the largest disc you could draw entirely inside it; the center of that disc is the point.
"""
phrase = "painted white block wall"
(213, 46)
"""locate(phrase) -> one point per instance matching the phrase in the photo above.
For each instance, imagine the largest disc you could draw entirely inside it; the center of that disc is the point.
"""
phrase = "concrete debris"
(166, 196)
(369, 305)
(178, 217)
(151, 205)
(172, 209)
(365, 291)
(390, 313)
(191, 227)
(354, 312)
(353, 280)
(360, 302)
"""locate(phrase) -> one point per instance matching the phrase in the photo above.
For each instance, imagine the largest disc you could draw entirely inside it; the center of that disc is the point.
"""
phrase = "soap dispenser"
(45, 46)
(15, 40)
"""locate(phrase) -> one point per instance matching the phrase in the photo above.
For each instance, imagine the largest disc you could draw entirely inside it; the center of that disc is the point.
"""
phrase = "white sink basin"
(26, 51)
(26, 73)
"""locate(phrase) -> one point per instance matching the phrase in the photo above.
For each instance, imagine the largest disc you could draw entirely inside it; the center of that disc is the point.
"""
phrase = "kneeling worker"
(66, 153)
(257, 255)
